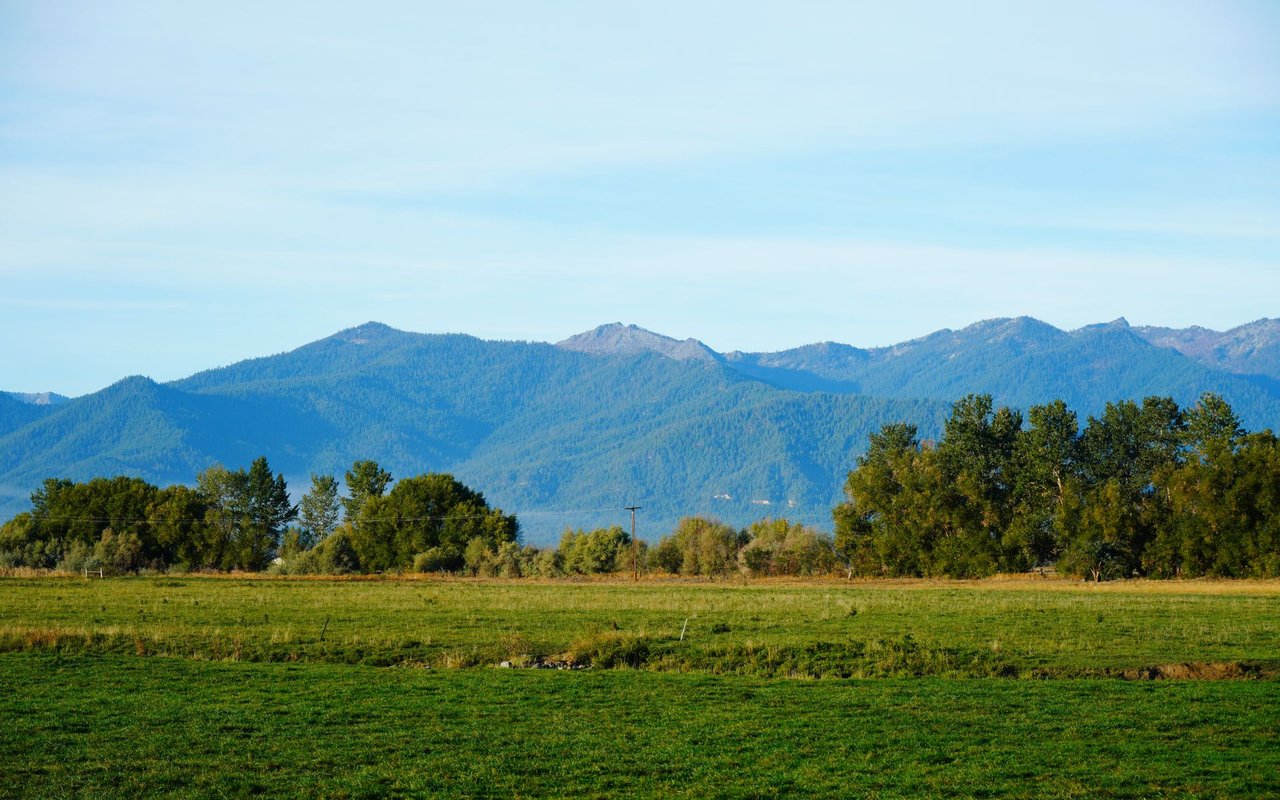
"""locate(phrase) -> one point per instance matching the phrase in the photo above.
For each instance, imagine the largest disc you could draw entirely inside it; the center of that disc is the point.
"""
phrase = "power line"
(156, 520)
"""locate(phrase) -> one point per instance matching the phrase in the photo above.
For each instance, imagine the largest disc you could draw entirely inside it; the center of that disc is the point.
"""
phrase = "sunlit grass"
(1031, 626)
(123, 727)
(132, 687)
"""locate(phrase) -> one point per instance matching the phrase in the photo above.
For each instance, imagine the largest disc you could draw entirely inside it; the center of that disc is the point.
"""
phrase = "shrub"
(780, 547)
(119, 552)
(509, 561)
(667, 556)
(602, 550)
(78, 558)
(433, 559)
(333, 556)
(478, 559)
(610, 650)
(547, 564)
(699, 546)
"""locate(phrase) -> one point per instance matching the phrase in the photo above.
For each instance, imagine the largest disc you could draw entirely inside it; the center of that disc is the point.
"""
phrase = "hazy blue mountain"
(139, 427)
(571, 433)
(557, 436)
(38, 398)
(1251, 349)
(617, 339)
(15, 413)
(717, 445)
(824, 367)
(1020, 362)
(22, 408)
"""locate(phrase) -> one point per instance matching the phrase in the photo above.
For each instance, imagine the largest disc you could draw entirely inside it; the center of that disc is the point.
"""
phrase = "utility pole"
(635, 546)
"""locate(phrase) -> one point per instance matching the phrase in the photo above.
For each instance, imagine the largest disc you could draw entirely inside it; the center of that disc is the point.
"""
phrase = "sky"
(185, 185)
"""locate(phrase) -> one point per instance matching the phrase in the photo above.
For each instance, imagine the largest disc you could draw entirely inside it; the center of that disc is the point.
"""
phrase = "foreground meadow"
(128, 727)
(174, 686)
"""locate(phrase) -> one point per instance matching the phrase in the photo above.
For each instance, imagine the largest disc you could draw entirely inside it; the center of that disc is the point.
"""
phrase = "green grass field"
(1027, 627)
(192, 687)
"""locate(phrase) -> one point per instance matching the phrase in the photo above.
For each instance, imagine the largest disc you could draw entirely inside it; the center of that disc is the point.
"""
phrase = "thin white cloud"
(74, 304)
(270, 173)
(406, 94)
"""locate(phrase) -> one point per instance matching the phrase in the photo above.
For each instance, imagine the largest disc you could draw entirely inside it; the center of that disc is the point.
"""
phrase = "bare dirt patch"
(1195, 671)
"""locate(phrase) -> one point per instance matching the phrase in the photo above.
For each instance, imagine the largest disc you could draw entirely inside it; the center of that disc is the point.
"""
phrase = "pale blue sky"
(185, 185)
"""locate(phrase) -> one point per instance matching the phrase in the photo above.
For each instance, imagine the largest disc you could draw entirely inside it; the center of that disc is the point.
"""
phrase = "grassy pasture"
(1012, 627)
(173, 686)
(120, 726)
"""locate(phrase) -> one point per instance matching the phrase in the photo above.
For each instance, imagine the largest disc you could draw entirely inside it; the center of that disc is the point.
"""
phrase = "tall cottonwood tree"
(431, 514)
(1121, 453)
(1046, 476)
(248, 512)
(222, 493)
(319, 510)
(977, 457)
(365, 480)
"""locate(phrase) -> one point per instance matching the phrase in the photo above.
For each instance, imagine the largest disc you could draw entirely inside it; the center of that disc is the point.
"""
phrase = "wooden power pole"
(635, 546)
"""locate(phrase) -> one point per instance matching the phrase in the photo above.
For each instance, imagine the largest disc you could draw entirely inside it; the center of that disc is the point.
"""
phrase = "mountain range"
(568, 434)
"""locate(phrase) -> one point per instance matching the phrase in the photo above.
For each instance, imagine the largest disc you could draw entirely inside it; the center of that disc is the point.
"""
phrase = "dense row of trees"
(230, 520)
(1146, 489)
(698, 546)
(241, 520)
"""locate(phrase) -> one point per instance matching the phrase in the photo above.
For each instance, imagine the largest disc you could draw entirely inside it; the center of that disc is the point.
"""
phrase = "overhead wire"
(436, 518)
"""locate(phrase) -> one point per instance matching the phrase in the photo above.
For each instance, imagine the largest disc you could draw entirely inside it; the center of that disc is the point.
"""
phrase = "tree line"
(241, 520)
(1146, 489)
(244, 520)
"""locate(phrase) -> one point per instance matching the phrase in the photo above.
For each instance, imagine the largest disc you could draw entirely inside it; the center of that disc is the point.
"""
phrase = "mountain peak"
(1119, 324)
(1005, 327)
(132, 382)
(39, 398)
(618, 339)
(365, 334)
(1012, 334)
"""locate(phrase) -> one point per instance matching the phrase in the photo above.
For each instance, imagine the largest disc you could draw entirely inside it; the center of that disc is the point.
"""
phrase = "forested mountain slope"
(14, 413)
(570, 433)
(1251, 349)
(557, 436)
(1020, 362)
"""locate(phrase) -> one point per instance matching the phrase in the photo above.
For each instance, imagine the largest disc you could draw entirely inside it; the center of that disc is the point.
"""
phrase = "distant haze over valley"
(568, 434)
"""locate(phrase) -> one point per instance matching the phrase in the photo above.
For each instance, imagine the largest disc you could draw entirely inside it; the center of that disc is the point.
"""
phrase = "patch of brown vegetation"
(1195, 671)
(40, 638)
